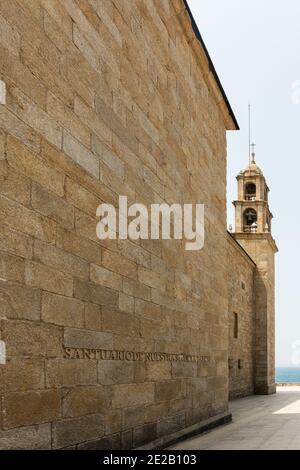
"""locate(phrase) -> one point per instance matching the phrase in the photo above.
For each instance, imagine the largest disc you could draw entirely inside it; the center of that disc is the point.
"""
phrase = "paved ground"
(259, 423)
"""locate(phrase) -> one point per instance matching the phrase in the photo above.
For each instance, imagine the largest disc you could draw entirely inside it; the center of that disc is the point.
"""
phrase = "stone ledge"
(187, 433)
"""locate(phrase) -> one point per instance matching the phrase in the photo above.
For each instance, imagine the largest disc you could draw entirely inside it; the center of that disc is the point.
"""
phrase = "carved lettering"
(130, 356)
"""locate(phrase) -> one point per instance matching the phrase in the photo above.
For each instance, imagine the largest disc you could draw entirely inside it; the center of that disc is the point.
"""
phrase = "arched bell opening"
(250, 192)
(250, 220)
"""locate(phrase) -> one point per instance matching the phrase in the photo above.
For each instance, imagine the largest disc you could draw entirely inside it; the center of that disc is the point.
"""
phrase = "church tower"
(253, 231)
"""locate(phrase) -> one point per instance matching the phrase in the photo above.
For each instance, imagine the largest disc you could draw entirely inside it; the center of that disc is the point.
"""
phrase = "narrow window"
(235, 326)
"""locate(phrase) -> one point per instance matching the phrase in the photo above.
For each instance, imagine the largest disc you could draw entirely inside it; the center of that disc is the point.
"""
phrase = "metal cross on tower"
(253, 152)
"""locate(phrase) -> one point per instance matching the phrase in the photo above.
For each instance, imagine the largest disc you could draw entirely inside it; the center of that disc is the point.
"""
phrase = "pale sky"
(255, 47)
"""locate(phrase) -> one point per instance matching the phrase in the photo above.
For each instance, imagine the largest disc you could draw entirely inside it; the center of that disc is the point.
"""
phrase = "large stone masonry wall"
(262, 248)
(241, 305)
(107, 98)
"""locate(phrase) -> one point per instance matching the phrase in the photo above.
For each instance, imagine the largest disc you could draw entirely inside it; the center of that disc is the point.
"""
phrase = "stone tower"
(253, 231)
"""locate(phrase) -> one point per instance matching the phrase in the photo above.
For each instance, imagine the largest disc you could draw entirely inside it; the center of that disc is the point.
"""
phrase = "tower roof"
(252, 167)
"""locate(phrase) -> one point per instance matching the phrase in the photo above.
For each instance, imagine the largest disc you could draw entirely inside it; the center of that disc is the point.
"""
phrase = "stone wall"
(262, 249)
(241, 280)
(107, 98)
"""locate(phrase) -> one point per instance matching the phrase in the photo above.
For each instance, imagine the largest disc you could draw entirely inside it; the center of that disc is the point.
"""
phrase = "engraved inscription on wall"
(116, 355)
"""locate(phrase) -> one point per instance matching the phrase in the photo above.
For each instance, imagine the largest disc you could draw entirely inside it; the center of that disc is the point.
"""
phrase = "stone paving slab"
(259, 423)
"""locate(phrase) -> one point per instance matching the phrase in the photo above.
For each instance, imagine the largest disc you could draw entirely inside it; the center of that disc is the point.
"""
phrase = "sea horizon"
(287, 374)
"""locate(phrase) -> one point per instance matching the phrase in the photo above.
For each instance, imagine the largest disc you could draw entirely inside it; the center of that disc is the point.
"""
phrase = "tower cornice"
(257, 202)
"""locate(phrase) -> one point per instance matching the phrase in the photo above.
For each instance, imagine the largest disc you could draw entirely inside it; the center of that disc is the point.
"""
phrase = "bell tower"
(252, 212)
(253, 231)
